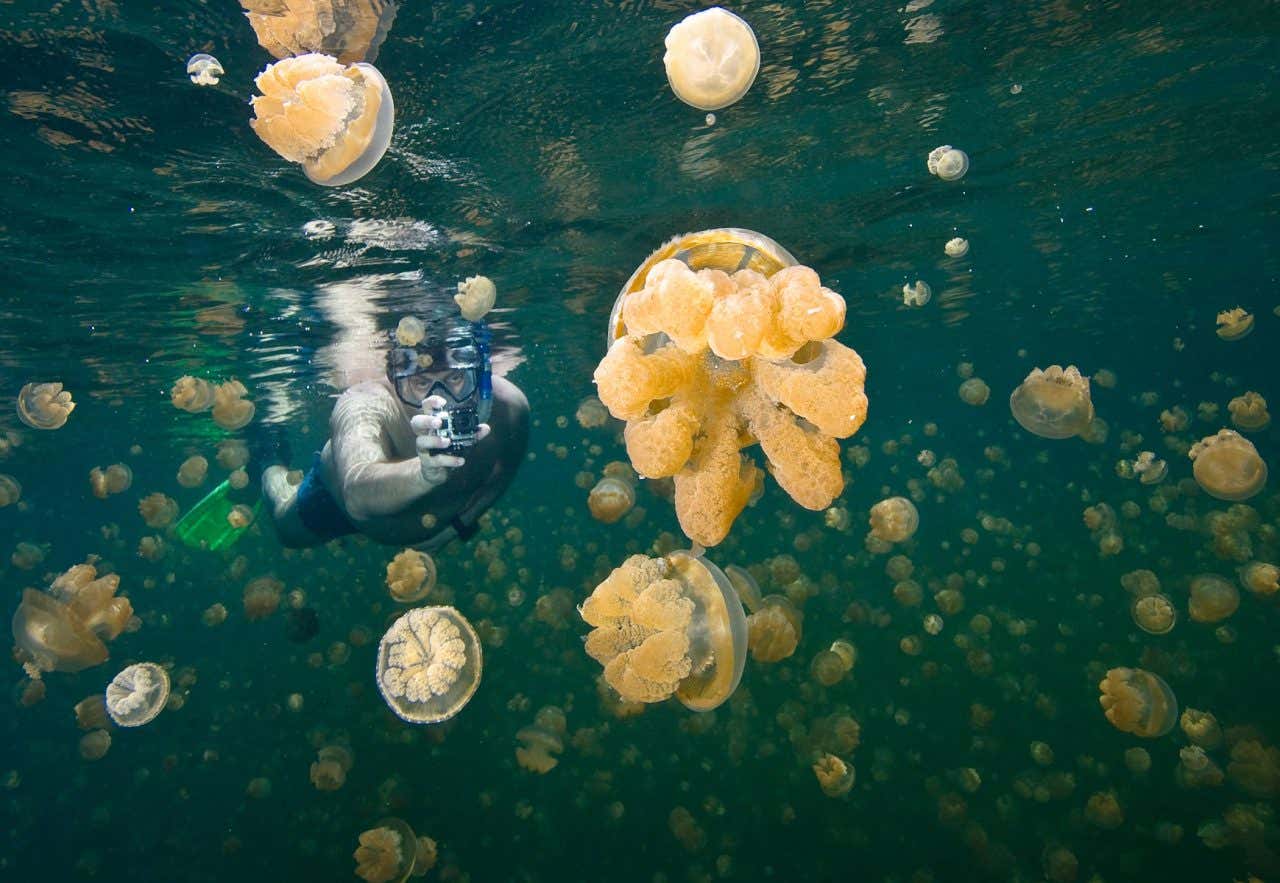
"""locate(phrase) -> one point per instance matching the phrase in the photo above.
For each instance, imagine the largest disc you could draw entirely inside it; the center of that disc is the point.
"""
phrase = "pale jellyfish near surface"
(334, 120)
(917, 295)
(712, 59)
(947, 162)
(204, 69)
(957, 247)
(137, 694)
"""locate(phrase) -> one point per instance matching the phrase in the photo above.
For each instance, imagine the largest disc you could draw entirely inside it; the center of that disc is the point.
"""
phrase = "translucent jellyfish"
(718, 342)
(1227, 466)
(66, 628)
(429, 664)
(333, 119)
(947, 162)
(261, 597)
(95, 744)
(1260, 578)
(329, 769)
(974, 392)
(10, 490)
(27, 556)
(240, 516)
(193, 471)
(611, 499)
(1154, 614)
(1249, 412)
(232, 454)
(916, 295)
(835, 777)
(1148, 469)
(591, 413)
(137, 694)
(475, 297)
(410, 331)
(425, 856)
(411, 576)
(1212, 599)
(1103, 811)
(1202, 728)
(192, 394)
(349, 30)
(1255, 768)
(712, 58)
(386, 852)
(158, 510)
(91, 712)
(231, 410)
(1234, 324)
(44, 405)
(830, 666)
(204, 69)
(115, 479)
(1138, 702)
(894, 520)
(774, 629)
(668, 626)
(542, 742)
(1137, 761)
(1053, 403)
(957, 247)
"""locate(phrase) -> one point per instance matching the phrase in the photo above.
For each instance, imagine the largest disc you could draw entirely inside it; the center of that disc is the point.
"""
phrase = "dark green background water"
(1117, 200)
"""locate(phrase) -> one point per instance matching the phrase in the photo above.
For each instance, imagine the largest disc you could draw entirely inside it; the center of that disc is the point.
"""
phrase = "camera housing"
(460, 427)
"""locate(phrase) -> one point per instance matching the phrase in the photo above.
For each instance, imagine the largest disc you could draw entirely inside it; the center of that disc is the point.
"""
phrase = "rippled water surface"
(1123, 191)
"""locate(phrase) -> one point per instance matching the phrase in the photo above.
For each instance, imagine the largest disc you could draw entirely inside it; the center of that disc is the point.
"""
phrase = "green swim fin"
(206, 526)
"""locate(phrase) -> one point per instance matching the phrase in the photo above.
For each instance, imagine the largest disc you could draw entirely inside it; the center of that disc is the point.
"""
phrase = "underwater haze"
(1121, 200)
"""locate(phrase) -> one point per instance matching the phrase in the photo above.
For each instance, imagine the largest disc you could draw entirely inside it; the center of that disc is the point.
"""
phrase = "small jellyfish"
(1202, 728)
(192, 394)
(974, 392)
(1103, 811)
(1227, 466)
(261, 597)
(835, 777)
(410, 331)
(1148, 469)
(204, 69)
(957, 247)
(192, 472)
(411, 576)
(542, 742)
(232, 454)
(916, 295)
(137, 694)
(158, 510)
(330, 768)
(1154, 614)
(95, 744)
(668, 626)
(591, 413)
(115, 479)
(44, 405)
(1260, 578)
(231, 410)
(27, 556)
(240, 516)
(10, 490)
(1053, 403)
(386, 853)
(1234, 324)
(1212, 599)
(712, 58)
(894, 520)
(611, 499)
(476, 296)
(773, 629)
(947, 162)
(831, 666)
(333, 119)
(1249, 412)
(429, 664)
(1138, 702)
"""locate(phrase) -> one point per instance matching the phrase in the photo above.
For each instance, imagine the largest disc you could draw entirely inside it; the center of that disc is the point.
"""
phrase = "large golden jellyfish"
(712, 58)
(668, 626)
(719, 341)
(349, 30)
(44, 405)
(138, 694)
(1053, 403)
(335, 120)
(1227, 466)
(429, 664)
(66, 628)
(1138, 702)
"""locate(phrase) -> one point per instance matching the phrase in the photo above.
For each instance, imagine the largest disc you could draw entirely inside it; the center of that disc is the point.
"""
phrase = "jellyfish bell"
(1139, 702)
(916, 295)
(475, 298)
(204, 69)
(429, 664)
(1154, 614)
(947, 162)
(350, 30)
(334, 120)
(1212, 598)
(44, 405)
(1053, 403)
(712, 58)
(611, 499)
(1227, 466)
(55, 640)
(956, 247)
(411, 576)
(137, 694)
(974, 391)
(894, 520)
(1234, 324)
(387, 852)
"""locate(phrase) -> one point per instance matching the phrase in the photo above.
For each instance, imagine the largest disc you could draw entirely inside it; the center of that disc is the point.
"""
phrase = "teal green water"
(1122, 193)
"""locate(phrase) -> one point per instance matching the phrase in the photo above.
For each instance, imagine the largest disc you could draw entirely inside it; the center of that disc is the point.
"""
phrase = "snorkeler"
(416, 457)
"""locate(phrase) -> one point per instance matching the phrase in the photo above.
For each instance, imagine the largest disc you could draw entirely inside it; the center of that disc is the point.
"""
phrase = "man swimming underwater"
(416, 457)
